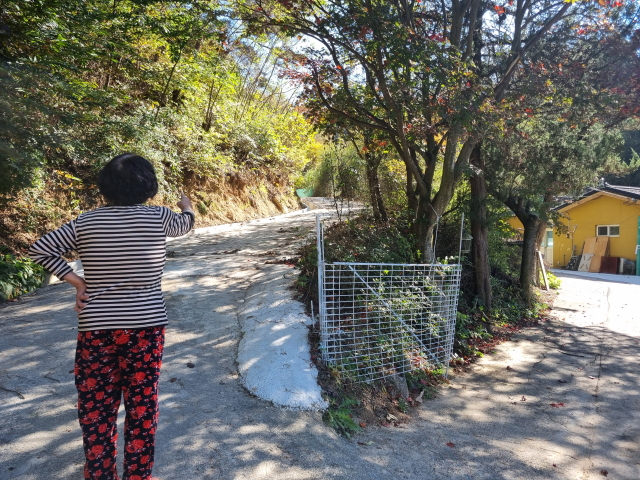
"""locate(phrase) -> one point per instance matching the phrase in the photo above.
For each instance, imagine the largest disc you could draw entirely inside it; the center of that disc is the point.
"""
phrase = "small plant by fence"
(378, 320)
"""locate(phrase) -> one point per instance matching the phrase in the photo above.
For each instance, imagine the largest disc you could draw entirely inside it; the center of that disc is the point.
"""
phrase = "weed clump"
(18, 276)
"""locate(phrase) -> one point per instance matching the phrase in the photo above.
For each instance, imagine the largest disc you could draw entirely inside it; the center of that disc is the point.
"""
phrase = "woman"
(121, 312)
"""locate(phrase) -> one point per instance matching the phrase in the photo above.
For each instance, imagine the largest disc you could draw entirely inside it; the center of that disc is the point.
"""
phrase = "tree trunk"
(425, 223)
(544, 215)
(372, 194)
(528, 265)
(412, 201)
(479, 228)
(373, 180)
(383, 210)
(540, 233)
(412, 205)
(530, 222)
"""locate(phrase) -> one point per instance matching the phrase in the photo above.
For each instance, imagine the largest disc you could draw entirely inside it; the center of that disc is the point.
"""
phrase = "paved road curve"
(588, 358)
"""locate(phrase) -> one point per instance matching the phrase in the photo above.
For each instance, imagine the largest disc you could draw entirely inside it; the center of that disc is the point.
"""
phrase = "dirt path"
(211, 428)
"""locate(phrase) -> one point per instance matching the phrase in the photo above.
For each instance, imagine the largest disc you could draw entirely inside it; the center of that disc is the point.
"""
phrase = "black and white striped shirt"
(122, 250)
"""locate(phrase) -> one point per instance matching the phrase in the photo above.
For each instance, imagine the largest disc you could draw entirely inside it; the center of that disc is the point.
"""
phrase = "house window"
(608, 230)
(550, 239)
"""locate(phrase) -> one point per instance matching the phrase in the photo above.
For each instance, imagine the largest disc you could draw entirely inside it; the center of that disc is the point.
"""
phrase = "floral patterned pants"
(111, 364)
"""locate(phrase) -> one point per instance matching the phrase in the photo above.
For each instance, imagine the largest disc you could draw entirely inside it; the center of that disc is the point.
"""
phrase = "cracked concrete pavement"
(585, 361)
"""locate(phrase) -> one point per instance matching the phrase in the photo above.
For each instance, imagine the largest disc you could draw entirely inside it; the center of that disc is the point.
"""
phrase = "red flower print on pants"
(111, 364)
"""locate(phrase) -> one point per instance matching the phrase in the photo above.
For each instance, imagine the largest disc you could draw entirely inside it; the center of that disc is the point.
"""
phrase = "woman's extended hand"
(81, 290)
(184, 203)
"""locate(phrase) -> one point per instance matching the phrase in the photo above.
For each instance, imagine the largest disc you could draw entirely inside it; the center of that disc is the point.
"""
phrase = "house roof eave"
(593, 195)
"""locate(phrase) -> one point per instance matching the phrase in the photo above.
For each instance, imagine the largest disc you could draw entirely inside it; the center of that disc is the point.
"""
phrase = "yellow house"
(611, 210)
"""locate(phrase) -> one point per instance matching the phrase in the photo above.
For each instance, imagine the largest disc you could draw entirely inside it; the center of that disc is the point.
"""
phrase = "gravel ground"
(501, 421)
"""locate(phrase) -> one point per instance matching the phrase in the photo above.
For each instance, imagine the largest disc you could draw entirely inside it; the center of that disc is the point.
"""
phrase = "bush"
(554, 282)
(18, 276)
(356, 240)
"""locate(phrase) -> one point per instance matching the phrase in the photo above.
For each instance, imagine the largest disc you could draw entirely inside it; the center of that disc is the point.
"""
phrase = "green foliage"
(576, 153)
(339, 417)
(466, 328)
(355, 240)
(323, 176)
(18, 276)
(83, 81)
(339, 170)
(360, 240)
(504, 255)
(423, 380)
(554, 282)
(469, 328)
(25, 125)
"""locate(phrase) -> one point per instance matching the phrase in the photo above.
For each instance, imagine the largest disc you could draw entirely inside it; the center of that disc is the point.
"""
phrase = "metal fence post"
(321, 305)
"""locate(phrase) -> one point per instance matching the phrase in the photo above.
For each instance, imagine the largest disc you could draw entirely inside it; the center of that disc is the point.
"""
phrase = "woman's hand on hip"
(81, 290)
(81, 297)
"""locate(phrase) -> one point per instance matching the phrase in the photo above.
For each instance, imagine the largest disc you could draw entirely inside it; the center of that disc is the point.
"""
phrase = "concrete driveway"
(585, 361)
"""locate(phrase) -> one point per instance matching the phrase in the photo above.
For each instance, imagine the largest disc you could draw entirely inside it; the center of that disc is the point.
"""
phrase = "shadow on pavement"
(501, 421)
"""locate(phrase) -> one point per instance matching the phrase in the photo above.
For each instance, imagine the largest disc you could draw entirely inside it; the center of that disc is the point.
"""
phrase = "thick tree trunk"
(531, 222)
(425, 224)
(542, 228)
(528, 265)
(479, 228)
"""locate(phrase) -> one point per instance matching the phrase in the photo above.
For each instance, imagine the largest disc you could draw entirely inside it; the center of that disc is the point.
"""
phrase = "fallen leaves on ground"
(190, 365)
(604, 473)
(557, 405)
(449, 444)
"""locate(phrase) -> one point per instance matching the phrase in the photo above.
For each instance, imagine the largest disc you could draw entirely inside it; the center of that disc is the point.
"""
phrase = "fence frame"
(450, 305)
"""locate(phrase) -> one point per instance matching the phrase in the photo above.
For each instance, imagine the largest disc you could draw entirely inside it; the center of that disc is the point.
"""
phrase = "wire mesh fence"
(378, 320)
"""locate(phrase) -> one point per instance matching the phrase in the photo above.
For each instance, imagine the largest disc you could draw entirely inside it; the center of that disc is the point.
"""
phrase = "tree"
(416, 61)
(539, 159)
(561, 133)
(372, 152)
(580, 66)
(370, 145)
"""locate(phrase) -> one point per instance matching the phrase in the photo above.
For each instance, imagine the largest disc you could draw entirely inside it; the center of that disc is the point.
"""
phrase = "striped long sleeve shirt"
(123, 254)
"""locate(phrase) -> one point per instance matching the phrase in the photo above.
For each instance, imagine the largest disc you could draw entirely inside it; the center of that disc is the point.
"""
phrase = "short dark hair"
(128, 179)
